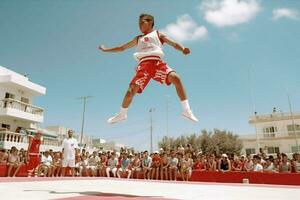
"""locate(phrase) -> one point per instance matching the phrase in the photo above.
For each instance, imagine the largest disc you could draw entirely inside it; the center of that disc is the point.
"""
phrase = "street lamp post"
(151, 129)
(84, 98)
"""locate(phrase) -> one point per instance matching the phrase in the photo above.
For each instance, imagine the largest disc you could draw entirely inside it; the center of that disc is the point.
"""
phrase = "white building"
(62, 134)
(274, 133)
(18, 112)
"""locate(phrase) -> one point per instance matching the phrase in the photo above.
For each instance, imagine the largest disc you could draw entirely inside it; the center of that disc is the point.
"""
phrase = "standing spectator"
(33, 153)
(184, 167)
(69, 146)
(257, 167)
(173, 166)
(13, 161)
(125, 166)
(135, 165)
(165, 162)
(285, 165)
(146, 164)
(3, 156)
(224, 164)
(112, 165)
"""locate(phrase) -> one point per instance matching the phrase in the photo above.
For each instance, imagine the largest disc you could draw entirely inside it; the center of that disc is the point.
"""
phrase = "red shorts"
(157, 70)
(34, 161)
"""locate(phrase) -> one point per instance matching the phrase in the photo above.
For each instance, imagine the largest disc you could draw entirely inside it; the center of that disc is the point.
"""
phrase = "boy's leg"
(187, 112)
(122, 115)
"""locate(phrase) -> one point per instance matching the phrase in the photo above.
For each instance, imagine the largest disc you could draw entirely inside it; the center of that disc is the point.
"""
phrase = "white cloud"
(223, 13)
(185, 29)
(285, 12)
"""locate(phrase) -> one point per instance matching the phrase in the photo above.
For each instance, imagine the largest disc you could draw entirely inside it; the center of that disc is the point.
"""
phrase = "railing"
(277, 134)
(273, 116)
(25, 107)
(8, 136)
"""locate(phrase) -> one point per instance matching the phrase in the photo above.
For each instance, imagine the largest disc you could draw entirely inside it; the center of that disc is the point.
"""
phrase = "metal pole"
(293, 122)
(83, 118)
(167, 119)
(253, 109)
(151, 130)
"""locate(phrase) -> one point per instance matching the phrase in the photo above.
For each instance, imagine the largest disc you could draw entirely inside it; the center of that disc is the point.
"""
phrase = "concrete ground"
(123, 189)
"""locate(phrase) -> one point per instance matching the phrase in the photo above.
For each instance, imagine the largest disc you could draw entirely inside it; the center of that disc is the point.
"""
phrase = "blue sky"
(55, 42)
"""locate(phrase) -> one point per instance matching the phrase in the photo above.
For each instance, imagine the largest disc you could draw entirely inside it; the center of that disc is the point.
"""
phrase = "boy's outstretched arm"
(174, 44)
(123, 47)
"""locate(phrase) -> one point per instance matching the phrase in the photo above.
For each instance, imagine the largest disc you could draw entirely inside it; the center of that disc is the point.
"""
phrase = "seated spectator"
(93, 163)
(13, 161)
(249, 163)
(83, 165)
(57, 165)
(46, 164)
(3, 156)
(135, 165)
(211, 164)
(224, 163)
(125, 166)
(296, 163)
(201, 164)
(269, 166)
(77, 162)
(23, 156)
(165, 162)
(173, 166)
(103, 164)
(236, 164)
(156, 160)
(257, 167)
(284, 165)
(112, 165)
(146, 164)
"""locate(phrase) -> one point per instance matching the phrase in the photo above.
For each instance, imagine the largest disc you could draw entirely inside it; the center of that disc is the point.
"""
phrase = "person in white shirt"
(257, 167)
(69, 147)
(112, 165)
(46, 164)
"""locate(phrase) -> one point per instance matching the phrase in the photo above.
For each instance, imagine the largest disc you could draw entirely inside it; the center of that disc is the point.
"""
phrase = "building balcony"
(273, 117)
(20, 110)
(9, 139)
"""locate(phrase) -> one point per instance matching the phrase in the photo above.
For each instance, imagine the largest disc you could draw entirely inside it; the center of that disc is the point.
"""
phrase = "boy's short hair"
(148, 18)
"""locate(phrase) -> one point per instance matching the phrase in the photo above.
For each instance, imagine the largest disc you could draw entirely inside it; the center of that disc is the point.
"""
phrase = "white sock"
(185, 105)
(123, 111)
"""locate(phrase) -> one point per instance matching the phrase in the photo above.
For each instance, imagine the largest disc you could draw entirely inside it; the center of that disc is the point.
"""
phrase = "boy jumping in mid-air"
(150, 66)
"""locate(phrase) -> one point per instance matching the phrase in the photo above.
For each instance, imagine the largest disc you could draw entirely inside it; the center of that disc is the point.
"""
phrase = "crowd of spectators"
(158, 165)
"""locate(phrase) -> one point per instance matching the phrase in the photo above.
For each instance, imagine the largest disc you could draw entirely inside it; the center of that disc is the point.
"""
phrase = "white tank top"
(148, 45)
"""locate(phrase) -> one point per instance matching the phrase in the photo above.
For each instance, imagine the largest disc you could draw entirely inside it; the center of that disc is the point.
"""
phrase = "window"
(295, 149)
(291, 129)
(9, 95)
(250, 151)
(25, 100)
(269, 132)
(5, 126)
(273, 150)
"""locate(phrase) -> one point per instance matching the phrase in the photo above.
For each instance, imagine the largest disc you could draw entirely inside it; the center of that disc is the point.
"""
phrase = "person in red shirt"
(33, 152)
(156, 162)
(200, 164)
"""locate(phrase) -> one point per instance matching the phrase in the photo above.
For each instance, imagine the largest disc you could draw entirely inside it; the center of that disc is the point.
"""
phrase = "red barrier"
(253, 177)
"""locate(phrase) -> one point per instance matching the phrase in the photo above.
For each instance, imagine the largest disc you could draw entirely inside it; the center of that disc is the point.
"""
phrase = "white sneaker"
(189, 115)
(117, 118)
